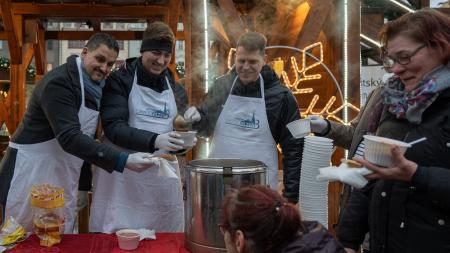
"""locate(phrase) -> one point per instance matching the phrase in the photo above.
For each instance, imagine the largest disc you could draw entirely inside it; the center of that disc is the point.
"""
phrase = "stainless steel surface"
(207, 182)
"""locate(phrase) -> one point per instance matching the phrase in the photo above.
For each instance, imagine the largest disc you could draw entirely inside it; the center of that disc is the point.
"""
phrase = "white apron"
(140, 200)
(47, 162)
(242, 131)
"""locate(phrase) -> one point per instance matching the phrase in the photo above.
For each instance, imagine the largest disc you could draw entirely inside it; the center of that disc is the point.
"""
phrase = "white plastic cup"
(128, 239)
(378, 149)
(299, 128)
(188, 138)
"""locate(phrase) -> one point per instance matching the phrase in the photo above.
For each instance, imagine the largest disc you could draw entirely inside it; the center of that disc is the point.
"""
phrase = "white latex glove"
(318, 124)
(169, 141)
(192, 115)
(139, 162)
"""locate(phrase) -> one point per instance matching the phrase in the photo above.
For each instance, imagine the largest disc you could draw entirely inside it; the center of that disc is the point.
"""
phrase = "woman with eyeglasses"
(256, 219)
(405, 208)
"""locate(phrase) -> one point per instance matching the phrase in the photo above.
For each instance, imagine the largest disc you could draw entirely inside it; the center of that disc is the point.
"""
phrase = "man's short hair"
(252, 41)
(102, 39)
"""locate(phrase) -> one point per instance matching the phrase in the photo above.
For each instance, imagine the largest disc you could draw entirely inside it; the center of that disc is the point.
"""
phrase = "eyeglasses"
(402, 59)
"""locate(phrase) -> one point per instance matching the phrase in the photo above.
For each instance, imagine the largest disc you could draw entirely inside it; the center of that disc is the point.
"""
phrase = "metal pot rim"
(238, 165)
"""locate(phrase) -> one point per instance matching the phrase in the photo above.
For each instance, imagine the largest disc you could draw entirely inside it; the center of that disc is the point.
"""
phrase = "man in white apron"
(248, 110)
(138, 109)
(56, 134)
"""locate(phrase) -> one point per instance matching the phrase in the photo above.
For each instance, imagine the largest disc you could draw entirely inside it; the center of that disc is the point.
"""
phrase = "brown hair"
(158, 31)
(265, 218)
(252, 41)
(428, 26)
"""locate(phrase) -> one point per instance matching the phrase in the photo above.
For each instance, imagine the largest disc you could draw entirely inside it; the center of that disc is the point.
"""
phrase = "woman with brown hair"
(258, 219)
(406, 207)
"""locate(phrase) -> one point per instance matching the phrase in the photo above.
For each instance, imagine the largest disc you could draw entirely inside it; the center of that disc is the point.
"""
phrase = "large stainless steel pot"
(207, 182)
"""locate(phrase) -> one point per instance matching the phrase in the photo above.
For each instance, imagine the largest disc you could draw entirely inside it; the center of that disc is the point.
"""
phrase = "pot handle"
(228, 176)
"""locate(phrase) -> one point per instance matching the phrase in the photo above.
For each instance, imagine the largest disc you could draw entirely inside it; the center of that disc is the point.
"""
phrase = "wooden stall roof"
(93, 12)
(23, 24)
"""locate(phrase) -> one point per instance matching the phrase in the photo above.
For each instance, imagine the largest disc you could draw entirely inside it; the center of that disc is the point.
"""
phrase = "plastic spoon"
(417, 141)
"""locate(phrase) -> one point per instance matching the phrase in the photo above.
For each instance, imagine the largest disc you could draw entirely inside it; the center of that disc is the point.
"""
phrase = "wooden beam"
(288, 20)
(231, 20)
(371, 24)
(174, 17)
(27, 54)
(16, 96)
(174, 14)
(354, 52)
(179, 35)
(195, 44)
(89, 11)
(96, 24)
(217, 26)
(40, 56)
(187, 4)
(281, 19)
(4, 115)
(314, 22)
(11, 32)
(85, 35)
(3, 35)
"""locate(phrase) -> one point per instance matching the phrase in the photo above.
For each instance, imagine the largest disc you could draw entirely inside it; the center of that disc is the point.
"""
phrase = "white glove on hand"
(169, 141)
(139, 162)
(318, 124)
(192, 115)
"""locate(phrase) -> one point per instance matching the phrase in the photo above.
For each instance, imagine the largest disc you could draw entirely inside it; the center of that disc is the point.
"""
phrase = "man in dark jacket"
(55, 135)
(139, 106)
(248, 109)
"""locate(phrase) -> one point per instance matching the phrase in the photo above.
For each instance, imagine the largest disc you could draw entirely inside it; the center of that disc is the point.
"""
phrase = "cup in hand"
(378, 149)
(299, 128)
(188, 138)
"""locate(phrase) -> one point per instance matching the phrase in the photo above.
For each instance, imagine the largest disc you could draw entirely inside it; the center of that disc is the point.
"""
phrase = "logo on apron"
(244, 121)
(163, 113)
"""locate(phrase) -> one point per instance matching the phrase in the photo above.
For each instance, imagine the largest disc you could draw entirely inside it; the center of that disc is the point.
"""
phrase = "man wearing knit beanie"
(138, 108)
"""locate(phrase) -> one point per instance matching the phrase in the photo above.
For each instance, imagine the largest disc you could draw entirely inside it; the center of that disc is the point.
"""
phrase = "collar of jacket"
(72, 68)
(144, 78)
(269, 76)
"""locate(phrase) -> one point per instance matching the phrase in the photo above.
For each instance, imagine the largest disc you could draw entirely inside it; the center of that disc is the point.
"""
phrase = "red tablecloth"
(103, 243)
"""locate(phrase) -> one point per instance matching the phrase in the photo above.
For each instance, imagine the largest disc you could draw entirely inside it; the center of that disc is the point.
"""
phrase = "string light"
(230, 58)
(402, 6)
(206, 23)
(306, 68)
(370, 40)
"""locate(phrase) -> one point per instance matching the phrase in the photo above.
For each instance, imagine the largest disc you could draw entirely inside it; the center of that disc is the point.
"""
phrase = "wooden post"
(353, 47)
(40, 56)
(16, 96)
(195, 64)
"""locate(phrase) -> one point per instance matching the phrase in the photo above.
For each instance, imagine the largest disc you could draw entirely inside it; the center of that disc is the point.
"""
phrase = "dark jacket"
(52, 112)
(350, 136)
(407, 217)
(114, 105)
(281, 107)
(316, 239)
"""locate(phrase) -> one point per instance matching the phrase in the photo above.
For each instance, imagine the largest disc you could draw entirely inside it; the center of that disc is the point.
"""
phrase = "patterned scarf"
(410, 105)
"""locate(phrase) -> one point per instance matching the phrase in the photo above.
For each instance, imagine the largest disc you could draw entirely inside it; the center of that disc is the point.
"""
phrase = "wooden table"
(103, 243)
